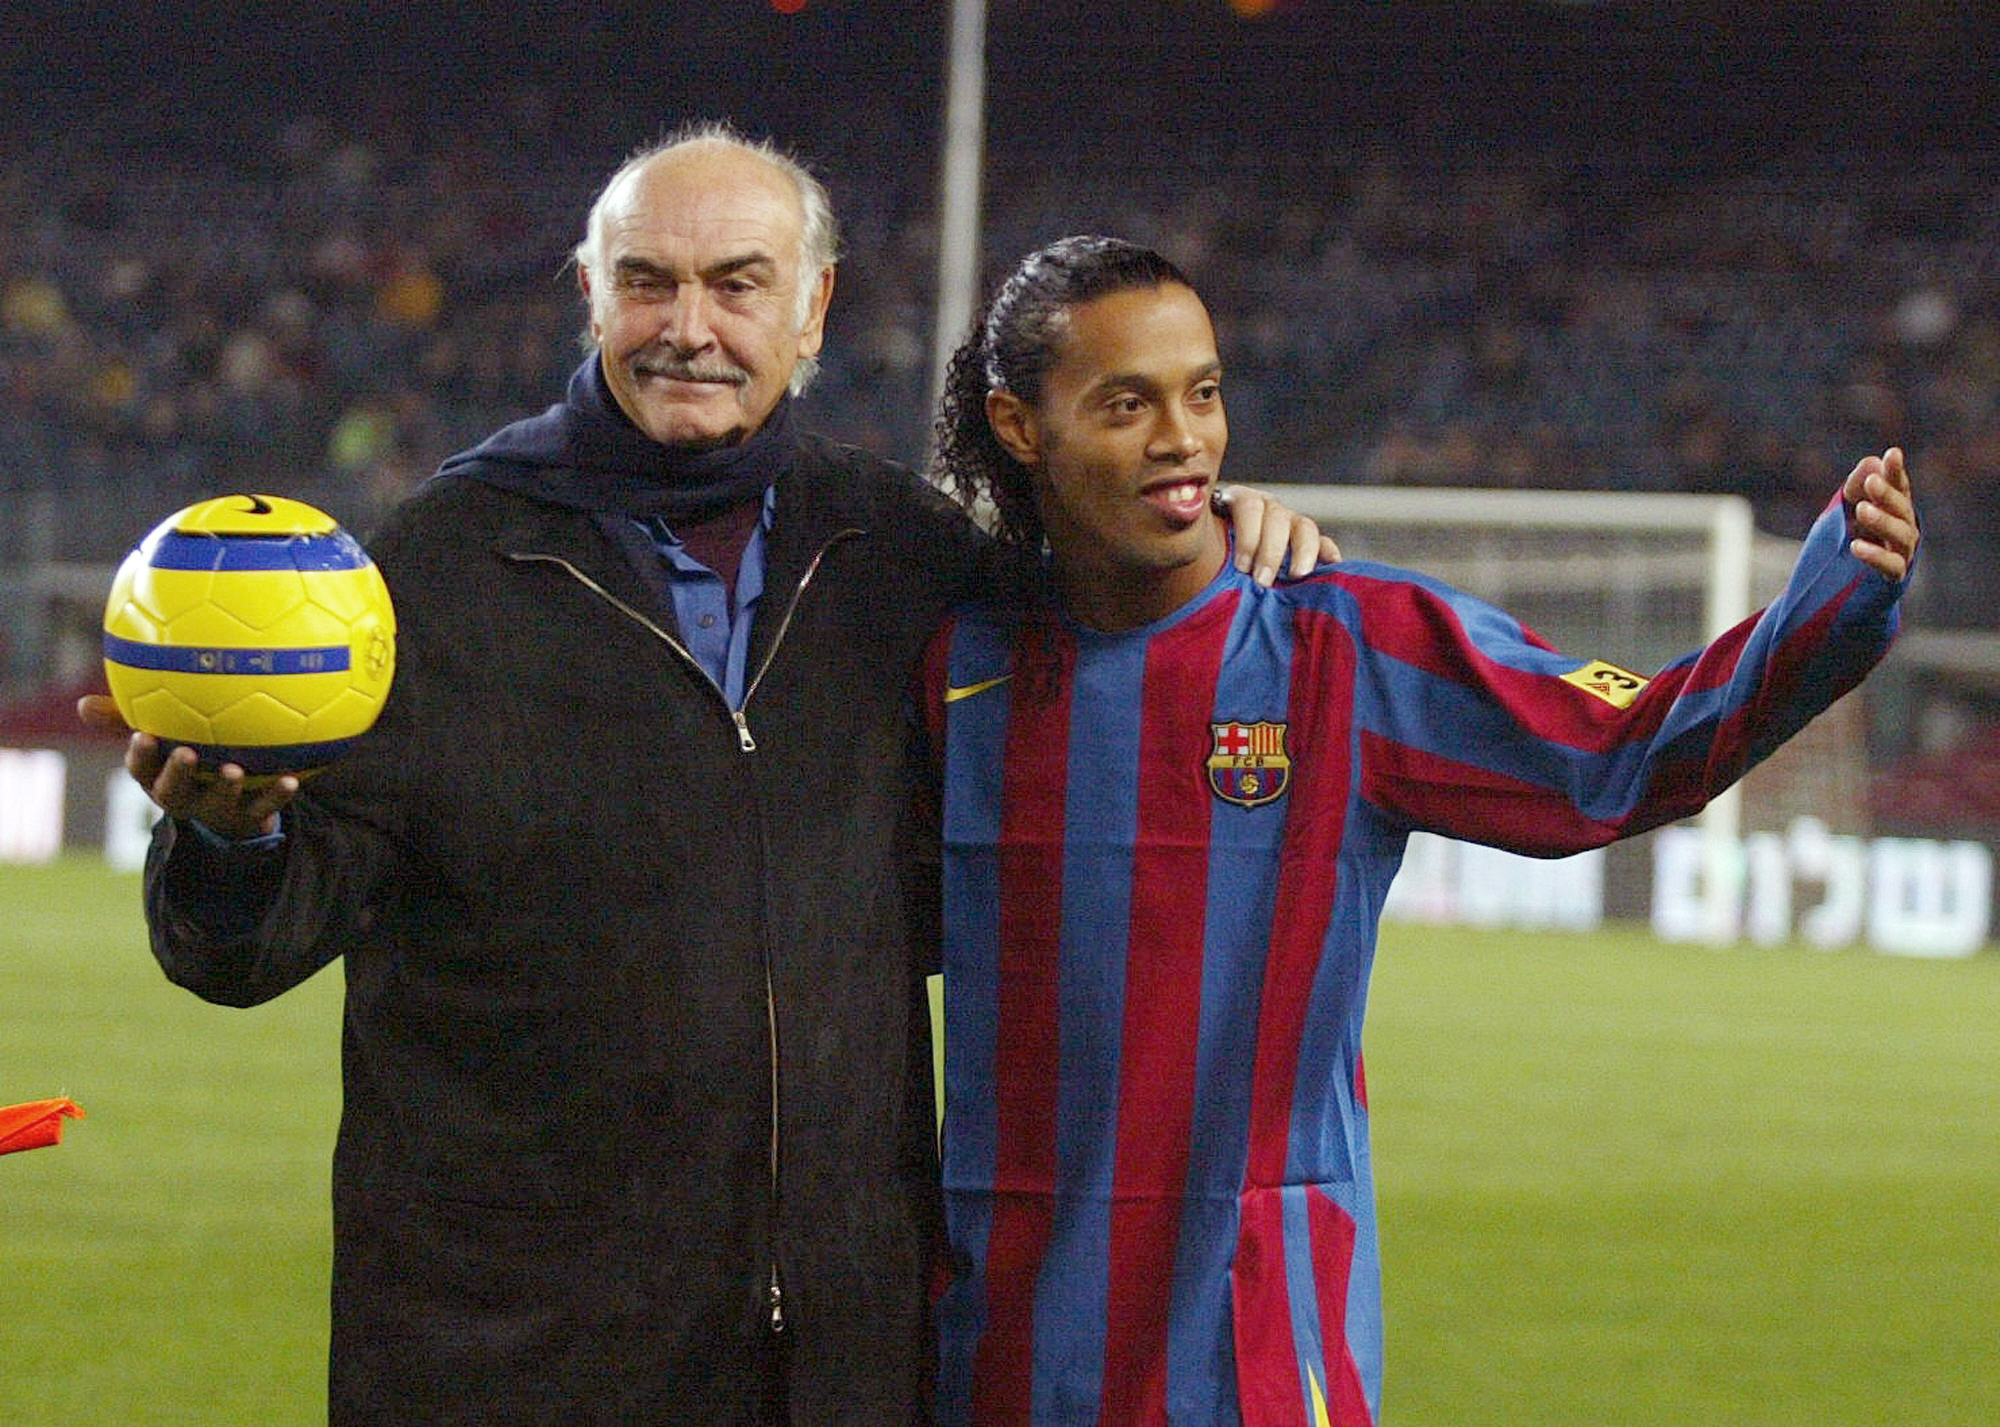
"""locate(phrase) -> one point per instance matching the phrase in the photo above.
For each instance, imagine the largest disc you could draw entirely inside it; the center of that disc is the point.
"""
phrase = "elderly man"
(637, 1123)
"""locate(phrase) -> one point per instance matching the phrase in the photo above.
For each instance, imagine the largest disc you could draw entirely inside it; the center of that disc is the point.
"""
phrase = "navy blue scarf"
(585, 453)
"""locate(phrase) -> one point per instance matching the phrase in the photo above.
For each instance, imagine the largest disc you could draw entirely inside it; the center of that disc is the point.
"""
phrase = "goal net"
(1637, 579)
(1634, 578)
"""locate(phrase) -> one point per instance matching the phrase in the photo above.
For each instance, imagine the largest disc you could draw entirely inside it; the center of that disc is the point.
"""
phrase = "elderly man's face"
(695, 295)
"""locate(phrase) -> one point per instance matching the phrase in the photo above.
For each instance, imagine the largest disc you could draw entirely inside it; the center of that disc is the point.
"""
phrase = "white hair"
(819, 231)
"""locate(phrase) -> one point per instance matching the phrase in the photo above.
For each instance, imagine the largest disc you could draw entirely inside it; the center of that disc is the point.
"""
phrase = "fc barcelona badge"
(1248, 764)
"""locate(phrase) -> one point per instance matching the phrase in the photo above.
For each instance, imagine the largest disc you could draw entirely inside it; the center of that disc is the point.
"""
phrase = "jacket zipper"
(784, 624)
(739, 716)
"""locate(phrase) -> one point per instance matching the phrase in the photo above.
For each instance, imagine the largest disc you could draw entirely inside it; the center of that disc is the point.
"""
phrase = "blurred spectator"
(325, 308)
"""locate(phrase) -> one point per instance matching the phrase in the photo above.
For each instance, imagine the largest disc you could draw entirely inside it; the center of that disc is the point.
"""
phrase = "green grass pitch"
(1622, 1184)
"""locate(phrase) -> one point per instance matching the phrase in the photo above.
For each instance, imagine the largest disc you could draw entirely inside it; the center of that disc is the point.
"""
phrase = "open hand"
(224, 801)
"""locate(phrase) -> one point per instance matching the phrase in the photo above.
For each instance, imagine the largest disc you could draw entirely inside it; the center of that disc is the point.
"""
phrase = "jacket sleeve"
(239, 925)
(1471, 726)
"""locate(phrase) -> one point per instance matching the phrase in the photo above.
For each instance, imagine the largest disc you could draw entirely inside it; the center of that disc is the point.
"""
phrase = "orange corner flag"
(37, 1123)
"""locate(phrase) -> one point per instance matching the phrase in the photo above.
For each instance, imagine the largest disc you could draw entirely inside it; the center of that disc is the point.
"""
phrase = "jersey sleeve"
(1471, 726)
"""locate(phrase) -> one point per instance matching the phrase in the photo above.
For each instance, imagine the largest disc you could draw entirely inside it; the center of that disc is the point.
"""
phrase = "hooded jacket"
(636, 1059)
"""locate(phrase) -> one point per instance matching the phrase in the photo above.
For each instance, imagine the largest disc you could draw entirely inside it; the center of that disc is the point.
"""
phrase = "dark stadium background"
(1651, 246)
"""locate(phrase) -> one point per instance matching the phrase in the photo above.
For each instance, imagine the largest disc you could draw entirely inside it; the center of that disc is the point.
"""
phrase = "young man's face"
(1126, 445)
(695, 296)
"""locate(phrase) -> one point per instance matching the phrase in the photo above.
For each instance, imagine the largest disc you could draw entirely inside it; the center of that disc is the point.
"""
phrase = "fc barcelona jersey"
(1165, 854)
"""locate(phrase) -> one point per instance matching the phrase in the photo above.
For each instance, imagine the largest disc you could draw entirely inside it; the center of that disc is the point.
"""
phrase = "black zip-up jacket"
(636, 1059)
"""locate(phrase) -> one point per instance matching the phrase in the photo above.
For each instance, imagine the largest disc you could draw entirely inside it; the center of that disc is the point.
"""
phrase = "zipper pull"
(777, 1303)
(743, 739)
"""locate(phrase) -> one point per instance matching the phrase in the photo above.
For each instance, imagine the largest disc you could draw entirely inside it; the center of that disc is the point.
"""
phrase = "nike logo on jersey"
(954, 692)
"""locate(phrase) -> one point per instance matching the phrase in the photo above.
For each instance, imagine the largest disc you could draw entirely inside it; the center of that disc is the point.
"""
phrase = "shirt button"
(708, 621)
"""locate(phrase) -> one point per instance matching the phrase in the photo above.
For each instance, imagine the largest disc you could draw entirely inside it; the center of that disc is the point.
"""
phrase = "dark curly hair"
(1013, 344)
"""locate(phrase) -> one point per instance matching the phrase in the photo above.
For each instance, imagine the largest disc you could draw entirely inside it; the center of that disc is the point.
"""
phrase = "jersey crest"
(1247, 763)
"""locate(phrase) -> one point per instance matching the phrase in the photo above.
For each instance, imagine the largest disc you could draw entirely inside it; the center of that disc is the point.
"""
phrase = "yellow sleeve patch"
(1616, 686)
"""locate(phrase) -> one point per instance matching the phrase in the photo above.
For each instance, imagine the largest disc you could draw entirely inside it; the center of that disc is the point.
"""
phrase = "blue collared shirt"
(715, 628)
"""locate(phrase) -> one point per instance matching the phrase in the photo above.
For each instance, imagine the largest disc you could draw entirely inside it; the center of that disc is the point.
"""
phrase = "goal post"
(1368, 519)
(1636, 578)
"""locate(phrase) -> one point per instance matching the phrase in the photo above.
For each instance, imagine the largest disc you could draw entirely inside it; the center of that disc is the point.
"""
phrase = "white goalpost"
(1655, 573)
(1636, 578)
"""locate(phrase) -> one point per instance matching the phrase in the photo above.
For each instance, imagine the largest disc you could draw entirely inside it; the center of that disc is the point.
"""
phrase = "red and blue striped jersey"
(1165, 856)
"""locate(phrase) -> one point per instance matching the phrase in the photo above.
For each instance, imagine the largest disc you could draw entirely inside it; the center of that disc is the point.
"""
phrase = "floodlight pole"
(959, 184)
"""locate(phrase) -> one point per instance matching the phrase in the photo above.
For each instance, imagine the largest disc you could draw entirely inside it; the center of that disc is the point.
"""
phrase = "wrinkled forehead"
(706, 204)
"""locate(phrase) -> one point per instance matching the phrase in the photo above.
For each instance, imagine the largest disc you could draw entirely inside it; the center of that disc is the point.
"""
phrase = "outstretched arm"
(235, 916)
(1475, 728)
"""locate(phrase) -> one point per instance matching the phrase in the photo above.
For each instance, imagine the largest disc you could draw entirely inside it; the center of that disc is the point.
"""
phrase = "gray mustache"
(676, 370)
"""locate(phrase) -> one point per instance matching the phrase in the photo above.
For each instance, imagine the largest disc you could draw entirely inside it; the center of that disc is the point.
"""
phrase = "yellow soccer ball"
(253, 629)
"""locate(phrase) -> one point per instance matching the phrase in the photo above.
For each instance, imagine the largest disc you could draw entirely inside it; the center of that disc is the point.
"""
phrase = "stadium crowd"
(325, 309)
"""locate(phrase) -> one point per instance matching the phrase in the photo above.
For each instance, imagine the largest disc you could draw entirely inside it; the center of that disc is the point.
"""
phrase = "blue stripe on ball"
(309, 553)
(262, 762)
(189, 659)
